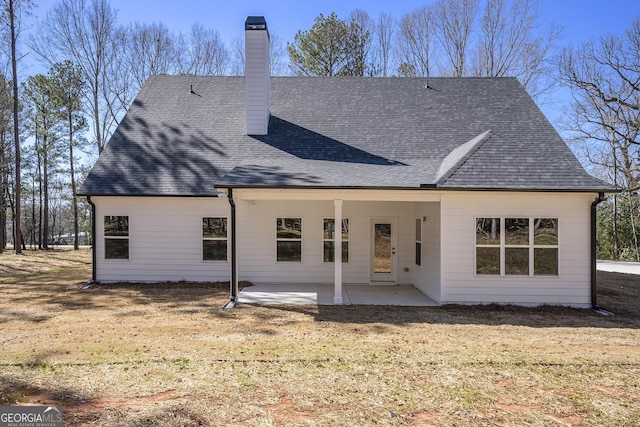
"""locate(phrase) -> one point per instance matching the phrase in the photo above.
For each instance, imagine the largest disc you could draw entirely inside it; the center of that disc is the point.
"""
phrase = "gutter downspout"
(594, 282)
(93, 246)
(233, 298)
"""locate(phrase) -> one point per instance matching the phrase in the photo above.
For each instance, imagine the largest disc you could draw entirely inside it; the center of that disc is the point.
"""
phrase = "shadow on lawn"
(618, 293)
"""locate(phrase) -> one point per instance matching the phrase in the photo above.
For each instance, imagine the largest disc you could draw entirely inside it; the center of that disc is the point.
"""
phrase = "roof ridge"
(459, 155)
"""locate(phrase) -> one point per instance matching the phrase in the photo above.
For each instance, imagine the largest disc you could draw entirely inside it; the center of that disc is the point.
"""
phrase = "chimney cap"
(255, 23)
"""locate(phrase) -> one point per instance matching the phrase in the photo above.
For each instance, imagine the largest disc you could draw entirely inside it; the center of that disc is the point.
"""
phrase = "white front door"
(383, 249)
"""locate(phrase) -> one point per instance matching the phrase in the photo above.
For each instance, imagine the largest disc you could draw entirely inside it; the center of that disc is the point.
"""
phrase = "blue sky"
(580, 19)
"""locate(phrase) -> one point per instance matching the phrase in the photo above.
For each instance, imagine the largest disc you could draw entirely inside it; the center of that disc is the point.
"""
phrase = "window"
(116, 237)
(512, 246)
(418, 241)
(488, 246)
(516, 253)
(328, 238)
(214, 239)
(289, 239)
(545, 246)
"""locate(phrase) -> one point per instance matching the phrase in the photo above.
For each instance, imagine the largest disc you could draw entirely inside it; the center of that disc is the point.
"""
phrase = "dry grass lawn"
(169, 355)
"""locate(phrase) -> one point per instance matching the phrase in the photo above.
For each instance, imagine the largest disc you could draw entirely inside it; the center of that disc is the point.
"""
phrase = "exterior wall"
(426, 277)
(460, 284)
(257, 244)
(165, 239)
(165, 242)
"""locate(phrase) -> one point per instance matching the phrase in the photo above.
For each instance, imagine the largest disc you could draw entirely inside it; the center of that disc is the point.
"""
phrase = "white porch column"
(337, 254)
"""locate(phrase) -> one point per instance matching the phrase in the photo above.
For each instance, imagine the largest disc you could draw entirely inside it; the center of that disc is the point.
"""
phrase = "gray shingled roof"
(457, 133)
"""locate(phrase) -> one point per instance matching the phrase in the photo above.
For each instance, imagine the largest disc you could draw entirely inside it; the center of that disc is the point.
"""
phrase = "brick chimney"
(257, 75)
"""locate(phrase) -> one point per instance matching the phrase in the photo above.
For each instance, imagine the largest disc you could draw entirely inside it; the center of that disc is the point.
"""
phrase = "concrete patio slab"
(322, 294)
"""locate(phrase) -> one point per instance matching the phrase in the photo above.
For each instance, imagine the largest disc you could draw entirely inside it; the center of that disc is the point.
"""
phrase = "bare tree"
(604, 78)
(455, 21)
(514, 42)
(415, 43)
(146, 50)
(360, 28)
(383, 32)
(82, 31)
(277, 55)
(202, 52)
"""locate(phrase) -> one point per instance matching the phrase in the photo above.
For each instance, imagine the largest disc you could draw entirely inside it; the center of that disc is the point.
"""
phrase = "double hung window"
(289, 239)
(116, 237)
(214, 239)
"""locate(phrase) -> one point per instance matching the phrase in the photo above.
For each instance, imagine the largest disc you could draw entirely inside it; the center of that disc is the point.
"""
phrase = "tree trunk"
(16, 127)
(45, 211)
(96, 116)
(614, 231)
(3, 187)
(633, 228)
(74, 199)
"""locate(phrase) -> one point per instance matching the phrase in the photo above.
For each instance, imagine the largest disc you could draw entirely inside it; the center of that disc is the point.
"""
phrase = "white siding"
(165, 239)
(257, 247)
(461, 285)
(257, 81)
(427, 275)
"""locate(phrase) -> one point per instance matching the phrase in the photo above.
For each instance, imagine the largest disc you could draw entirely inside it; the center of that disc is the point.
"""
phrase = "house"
(458, 186)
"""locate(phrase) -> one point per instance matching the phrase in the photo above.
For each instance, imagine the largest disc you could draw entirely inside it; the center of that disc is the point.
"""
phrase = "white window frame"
(106, 237)
(282, 239)
(531, 246)
(226, 239)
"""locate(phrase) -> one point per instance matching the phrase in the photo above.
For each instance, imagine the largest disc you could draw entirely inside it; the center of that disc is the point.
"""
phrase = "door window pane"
(382, 248)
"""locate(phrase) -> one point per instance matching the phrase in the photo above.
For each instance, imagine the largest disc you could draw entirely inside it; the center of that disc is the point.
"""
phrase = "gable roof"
(452, 133)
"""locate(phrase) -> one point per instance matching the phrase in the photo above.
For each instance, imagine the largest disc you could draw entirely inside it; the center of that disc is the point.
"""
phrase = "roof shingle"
(336, 132)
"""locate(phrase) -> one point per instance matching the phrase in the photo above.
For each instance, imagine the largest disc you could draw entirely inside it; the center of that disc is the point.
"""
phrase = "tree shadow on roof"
(307, 144)
(266, 176)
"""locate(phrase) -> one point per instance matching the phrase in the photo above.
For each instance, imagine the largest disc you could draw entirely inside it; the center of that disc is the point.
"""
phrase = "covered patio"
(323, 294)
